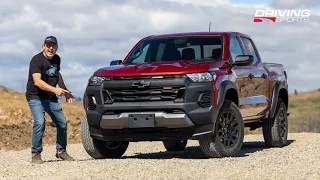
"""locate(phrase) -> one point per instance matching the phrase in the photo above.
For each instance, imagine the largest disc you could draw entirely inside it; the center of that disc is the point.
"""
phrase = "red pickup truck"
(205, 86)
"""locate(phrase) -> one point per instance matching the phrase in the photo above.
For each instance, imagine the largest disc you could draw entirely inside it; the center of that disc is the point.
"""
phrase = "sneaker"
(64, 156)
(36, 158)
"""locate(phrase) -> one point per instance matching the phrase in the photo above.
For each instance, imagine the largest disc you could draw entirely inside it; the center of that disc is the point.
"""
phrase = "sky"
(91, 33)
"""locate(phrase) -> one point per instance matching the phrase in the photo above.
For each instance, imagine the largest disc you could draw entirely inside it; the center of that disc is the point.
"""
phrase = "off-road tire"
(272, 127)
(175, 145)
(211, 146)
(98, 149)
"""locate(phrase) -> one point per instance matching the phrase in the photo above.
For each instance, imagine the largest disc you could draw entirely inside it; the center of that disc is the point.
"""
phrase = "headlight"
(202, 77)
(96, 80)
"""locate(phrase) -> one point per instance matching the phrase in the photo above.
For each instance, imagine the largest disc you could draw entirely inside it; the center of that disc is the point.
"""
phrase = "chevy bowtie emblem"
(141, 84)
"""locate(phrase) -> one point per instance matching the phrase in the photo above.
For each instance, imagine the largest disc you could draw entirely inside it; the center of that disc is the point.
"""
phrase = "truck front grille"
(150, 94)
(144, 88)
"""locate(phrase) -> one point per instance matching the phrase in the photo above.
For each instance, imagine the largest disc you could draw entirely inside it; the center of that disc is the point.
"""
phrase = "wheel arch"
(280, 90)
(228, 90)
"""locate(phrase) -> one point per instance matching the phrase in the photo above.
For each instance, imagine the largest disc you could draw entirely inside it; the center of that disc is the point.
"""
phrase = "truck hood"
(157, 68)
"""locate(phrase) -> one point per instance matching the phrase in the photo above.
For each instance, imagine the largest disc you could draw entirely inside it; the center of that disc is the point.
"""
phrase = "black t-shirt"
(49, 69)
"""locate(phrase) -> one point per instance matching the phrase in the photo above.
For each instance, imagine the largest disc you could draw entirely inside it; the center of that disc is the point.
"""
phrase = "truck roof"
(196, 33)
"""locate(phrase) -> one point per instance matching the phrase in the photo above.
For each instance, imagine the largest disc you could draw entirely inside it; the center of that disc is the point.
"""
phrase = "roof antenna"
(209, 26)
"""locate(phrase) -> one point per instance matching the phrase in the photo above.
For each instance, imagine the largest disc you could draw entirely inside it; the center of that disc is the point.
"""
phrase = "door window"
(235, 48)
(250, 49)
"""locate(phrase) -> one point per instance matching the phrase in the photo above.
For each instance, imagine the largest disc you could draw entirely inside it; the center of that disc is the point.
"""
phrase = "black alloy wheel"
(228, 129)
(228, 135)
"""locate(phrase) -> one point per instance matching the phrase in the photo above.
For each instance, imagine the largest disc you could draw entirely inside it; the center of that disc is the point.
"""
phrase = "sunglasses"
(54, 46)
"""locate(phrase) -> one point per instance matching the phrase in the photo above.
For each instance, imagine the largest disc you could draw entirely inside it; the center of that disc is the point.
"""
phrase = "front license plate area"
(141, 120)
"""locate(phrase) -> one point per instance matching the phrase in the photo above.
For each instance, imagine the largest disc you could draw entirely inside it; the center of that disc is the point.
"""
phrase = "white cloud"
(22, 47)
(92, 33)
(295, 3)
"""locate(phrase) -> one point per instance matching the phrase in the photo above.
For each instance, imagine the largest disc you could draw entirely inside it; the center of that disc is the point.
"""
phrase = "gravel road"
(300, 159)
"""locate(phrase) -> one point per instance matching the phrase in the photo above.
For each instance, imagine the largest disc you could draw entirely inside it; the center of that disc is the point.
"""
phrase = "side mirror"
(243, 60)
(115, 62)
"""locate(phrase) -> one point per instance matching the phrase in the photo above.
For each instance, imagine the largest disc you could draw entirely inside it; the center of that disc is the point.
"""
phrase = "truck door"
(252, 81)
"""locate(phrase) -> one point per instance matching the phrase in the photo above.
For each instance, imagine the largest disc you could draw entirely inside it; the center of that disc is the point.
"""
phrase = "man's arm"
(44, 86)
(61, 82)
(69, 95)
(41, 84)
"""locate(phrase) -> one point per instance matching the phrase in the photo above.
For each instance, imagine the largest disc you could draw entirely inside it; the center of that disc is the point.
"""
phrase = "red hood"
(163, 68)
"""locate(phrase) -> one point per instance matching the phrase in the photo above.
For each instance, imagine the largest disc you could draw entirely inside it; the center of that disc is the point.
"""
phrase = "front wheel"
(101, 149)
(275, 130)
(228, 136)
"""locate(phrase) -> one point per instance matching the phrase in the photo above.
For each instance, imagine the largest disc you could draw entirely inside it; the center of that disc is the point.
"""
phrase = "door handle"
(250, 76)
(264, 76)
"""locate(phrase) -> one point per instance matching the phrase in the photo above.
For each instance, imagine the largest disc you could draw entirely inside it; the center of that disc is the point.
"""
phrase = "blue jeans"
(53, 108)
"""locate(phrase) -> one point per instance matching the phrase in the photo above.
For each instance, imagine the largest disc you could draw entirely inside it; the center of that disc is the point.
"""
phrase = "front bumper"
(162, 119)
(174, 120)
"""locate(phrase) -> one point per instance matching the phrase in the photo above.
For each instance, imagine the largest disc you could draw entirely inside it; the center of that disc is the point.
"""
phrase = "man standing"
(42, 95)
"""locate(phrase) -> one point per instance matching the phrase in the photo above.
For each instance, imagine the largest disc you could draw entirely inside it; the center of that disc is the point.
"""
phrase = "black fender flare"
(223, 88)
(85, 101)
(275, 95)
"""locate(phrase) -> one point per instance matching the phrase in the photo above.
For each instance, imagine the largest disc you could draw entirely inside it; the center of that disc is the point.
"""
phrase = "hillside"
(305, 114)
(14, 108)
(16, 120)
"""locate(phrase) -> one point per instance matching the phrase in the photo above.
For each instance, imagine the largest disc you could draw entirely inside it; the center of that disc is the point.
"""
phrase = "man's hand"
(60, 91)
(69, 97)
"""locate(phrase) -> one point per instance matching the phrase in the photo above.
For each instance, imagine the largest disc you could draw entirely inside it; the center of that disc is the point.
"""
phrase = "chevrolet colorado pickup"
(205, 86)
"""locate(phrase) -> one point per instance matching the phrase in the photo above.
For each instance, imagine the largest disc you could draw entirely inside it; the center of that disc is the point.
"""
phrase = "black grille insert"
(145, 94)
(205, 99)
(147, 77)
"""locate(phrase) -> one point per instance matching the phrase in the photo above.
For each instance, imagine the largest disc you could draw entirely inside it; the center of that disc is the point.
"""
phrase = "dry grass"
(305, 114)
(14, 109)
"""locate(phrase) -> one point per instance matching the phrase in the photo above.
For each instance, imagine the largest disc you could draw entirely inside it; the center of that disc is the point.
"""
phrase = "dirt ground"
(299, 159)
(18, 137)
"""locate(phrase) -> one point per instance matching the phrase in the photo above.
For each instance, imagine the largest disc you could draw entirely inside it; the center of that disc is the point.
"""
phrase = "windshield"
(195, 48)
